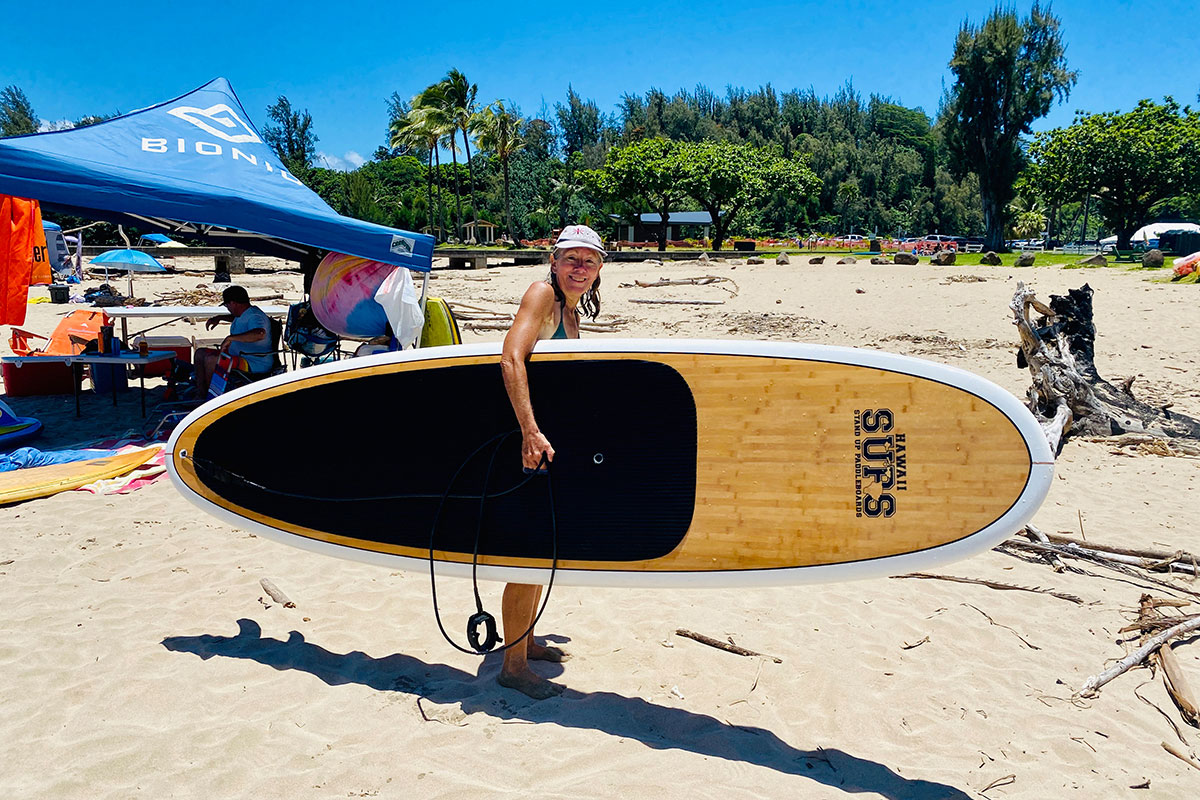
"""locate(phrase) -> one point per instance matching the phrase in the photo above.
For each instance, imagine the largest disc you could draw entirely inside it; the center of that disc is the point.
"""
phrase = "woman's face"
(577, 268)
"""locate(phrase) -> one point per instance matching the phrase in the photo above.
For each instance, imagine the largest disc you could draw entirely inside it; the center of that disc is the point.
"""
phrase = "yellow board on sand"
(440, 326)
(27, 484)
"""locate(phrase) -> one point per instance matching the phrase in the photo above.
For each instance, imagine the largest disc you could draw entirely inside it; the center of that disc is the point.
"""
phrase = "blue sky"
(341, 60)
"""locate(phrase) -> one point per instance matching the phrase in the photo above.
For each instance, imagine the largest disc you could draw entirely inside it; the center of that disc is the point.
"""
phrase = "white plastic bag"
(1183, 261)
(402, 304)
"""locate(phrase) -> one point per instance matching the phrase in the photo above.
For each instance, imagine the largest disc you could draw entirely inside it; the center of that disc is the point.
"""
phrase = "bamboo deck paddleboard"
(678, 463)
(33, 482)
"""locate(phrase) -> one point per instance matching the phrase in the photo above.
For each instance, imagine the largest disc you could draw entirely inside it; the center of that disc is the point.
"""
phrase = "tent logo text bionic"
(201, 148)
(207, 118)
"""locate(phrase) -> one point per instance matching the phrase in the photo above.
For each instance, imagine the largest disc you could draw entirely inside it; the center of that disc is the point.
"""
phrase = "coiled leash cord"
(491, 636)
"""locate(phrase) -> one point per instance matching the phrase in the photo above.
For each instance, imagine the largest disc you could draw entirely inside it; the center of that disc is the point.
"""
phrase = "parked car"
(937, 241)
(1111, 247)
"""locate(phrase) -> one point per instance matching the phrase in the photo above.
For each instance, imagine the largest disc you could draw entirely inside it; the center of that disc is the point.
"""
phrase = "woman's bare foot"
(531, 684)
(542, 652)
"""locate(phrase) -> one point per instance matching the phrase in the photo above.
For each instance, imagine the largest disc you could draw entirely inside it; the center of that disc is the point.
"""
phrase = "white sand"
(141, 658)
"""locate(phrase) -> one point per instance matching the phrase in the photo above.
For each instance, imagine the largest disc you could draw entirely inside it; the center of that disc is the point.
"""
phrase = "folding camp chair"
(307, 340)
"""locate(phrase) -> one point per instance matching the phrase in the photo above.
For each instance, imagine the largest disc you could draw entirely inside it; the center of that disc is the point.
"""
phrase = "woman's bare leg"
(518, 609)
(542, 652)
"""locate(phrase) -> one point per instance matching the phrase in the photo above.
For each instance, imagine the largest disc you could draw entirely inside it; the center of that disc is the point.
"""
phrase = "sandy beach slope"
(141, 657)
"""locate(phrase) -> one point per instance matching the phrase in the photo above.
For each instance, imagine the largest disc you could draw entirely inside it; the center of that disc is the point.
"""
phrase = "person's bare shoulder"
(539, 295)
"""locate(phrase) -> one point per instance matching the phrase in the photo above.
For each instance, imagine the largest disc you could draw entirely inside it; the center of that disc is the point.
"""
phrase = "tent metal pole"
(424, 297)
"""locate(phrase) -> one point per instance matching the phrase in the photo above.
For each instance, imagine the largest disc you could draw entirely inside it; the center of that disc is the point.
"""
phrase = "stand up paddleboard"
(33, 482)
(678, 463)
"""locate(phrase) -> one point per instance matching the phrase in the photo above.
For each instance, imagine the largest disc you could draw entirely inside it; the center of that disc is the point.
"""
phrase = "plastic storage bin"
(181, 346)
(34, 380)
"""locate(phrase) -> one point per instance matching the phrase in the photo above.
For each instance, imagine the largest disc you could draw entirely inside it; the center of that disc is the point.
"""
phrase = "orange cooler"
(181, 346)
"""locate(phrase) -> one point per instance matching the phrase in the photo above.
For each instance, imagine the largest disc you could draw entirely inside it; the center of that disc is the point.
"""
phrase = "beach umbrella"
(129, 260)
(159, 240)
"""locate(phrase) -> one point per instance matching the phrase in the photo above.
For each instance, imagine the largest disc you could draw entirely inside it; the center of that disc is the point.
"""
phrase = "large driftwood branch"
(1174, 678)
(1068, 395)
(1092, 685)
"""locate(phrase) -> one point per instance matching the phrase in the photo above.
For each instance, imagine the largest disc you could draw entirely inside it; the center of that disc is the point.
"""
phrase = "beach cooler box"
(106, 377)
(181, 346)
(34, 380)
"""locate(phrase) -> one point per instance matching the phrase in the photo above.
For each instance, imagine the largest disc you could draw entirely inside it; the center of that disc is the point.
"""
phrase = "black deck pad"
(369, 456)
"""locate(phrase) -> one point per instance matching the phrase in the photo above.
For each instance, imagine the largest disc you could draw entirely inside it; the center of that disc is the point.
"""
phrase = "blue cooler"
(107, 376)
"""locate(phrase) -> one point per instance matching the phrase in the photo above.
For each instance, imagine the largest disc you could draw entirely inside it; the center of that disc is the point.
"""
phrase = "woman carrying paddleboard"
(550, 309)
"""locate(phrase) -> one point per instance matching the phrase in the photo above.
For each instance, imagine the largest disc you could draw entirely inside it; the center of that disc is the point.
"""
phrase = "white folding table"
(76, 363)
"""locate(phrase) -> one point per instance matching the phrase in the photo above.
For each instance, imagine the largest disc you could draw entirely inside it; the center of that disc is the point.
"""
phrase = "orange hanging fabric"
(40, 274)
(16, 261)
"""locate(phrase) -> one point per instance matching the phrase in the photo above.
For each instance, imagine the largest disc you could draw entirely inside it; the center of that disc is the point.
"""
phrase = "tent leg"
(424, 298)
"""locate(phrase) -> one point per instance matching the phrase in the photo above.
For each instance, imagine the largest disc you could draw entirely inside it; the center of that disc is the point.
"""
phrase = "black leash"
(491, 637)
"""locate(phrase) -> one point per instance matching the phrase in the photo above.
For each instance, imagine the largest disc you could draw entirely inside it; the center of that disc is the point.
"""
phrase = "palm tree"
(1028, 217)
(414, 130)
(429, 107)
(564, 190)
(449, 140)
(458, 103)
(499, 132)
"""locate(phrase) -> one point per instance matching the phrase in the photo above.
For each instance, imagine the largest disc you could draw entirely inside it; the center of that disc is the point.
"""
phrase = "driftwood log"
(1092, 685)
(1068, 394)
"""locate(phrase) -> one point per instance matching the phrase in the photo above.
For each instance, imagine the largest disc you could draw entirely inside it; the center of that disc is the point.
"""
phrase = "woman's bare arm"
(536, 306)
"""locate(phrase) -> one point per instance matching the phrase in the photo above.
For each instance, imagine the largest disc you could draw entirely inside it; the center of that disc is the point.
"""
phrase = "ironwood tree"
(1008, 72)
(1129, 163)
(17, 116)
(291, 136)
(725, 178)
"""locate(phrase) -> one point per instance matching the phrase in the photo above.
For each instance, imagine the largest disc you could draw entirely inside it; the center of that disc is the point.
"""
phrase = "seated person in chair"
(249, 338)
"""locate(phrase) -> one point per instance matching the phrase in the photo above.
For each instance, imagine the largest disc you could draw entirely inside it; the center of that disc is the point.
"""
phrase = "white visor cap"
(579, 236)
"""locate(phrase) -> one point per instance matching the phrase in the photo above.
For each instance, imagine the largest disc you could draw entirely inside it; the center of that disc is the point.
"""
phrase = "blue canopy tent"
(194, 166)
(157, 238)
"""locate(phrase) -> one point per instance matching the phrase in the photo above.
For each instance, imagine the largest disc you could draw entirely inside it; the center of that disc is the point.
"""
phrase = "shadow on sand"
(660, 727)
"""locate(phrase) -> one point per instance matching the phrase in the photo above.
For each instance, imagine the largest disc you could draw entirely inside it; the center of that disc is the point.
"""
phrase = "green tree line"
(765, 162)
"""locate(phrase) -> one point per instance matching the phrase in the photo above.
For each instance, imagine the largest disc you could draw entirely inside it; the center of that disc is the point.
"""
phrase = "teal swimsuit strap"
(561, 331)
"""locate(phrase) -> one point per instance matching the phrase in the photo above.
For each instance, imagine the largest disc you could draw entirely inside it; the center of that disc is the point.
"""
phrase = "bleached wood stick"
(726, 646)
(1181, 756)
(994, 585)
(1059, 538)
(1092, 685)
(455, 305)
(1135, 439)
(276, 594)
(1178, 686)
(1116, 558)
(1053, 558)
(679, 302)
(1156, 623)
